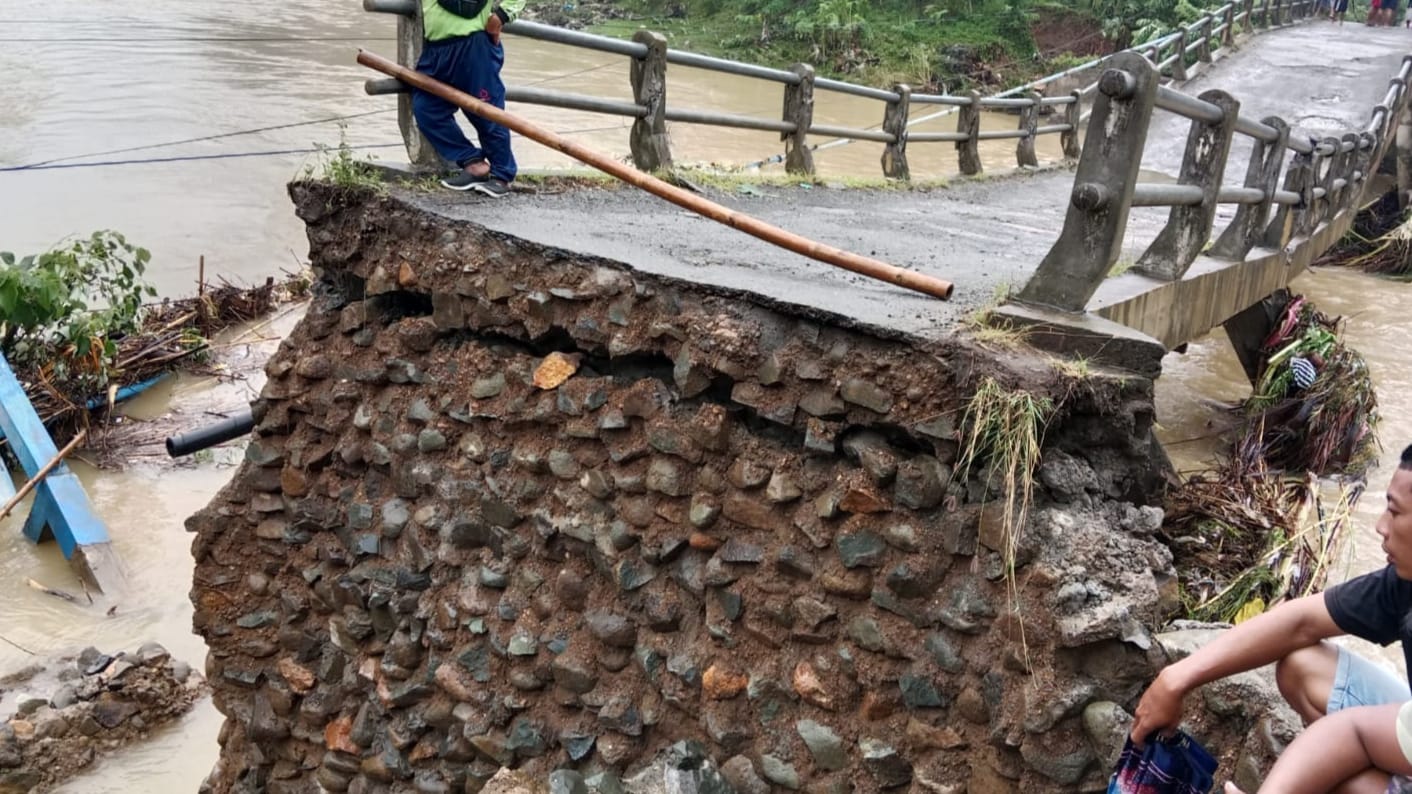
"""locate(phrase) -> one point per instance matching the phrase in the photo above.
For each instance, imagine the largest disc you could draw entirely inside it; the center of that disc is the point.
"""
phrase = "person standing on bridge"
(1360, 717)
(463, 50)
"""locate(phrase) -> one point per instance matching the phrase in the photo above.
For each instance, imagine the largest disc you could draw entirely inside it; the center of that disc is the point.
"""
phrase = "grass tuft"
(1003, 433)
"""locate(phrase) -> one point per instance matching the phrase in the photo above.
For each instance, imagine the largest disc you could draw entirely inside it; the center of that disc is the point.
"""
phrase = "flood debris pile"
(78, 331)
(94, 704)
(1379, 242)
(508, 507)
(1268, 521)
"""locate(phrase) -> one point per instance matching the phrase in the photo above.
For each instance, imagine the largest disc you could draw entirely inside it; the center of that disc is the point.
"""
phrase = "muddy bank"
(69, 712)
(510, 506)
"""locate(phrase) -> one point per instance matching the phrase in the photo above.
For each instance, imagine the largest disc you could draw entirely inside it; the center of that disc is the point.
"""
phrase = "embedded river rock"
(509, 506)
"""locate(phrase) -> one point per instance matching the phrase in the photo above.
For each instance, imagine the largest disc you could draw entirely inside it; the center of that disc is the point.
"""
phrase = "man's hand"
(1160, 708)
(492, 28)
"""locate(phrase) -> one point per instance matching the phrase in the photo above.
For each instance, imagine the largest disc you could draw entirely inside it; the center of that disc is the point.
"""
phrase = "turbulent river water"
(91, 87)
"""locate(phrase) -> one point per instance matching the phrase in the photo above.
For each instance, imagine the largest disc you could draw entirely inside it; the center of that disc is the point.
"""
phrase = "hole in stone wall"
(338, 289)
(401, 304)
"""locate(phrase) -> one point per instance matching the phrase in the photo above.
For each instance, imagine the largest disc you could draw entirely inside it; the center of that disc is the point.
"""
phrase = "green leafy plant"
(339, 165)
(63, 310)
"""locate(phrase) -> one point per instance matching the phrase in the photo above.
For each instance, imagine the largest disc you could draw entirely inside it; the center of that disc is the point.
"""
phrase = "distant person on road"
(1340, 8)
(463, 50)
(1360, 732)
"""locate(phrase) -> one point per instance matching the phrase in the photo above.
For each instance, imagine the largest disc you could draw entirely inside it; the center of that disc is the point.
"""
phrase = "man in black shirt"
(1316, 677)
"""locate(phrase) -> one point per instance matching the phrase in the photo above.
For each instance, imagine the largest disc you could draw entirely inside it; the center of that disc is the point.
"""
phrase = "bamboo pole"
(872, 268)
(41, 474)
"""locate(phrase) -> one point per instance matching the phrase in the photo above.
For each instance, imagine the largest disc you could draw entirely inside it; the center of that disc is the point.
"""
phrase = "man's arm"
(508, 10)
(1259, 641)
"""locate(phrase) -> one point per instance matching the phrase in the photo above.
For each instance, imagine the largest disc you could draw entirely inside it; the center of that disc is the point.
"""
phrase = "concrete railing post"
(1362, 169)
(1097, 217)
(1404, 157)
(409, 50)
(1278, 14)
(1265, 19)
(1288, 220)
(968, 123)
(1203, 52)
(1347, 170)
(799, 111)
(1248, 227)
(1249, 23)
(1029, 122)
(1320, 211)
(894, 156)
(1189, 227)
(1073, 113)
(1228, 35)
(651, 149)
(1179, 65)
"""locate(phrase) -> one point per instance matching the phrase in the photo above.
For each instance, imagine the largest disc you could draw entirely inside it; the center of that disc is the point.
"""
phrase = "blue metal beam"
(61, 508)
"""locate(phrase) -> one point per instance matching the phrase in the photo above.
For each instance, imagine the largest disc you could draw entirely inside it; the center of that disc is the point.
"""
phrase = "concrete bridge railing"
(1298, 197)
(1198, 43)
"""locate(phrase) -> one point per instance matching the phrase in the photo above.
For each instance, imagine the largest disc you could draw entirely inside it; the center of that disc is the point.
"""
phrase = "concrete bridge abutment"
(508, 506)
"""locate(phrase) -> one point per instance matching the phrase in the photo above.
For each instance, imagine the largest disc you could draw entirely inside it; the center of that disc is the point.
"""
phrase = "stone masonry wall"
(508, 506)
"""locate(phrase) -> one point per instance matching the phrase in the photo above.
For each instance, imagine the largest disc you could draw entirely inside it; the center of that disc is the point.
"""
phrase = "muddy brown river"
(91, 83)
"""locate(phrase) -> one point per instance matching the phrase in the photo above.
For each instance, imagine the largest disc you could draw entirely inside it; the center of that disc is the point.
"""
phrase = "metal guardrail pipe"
(1152, 194)
(731, 67)
(1057, 100)
(1256, 130)
(998, 102)
(936, 137)
(850, 132)
(1000, 135)
(407, 8)
(1240, 195)
(559, 99)
(1300, 145)
(575, 38)
(532, 96)
(841, 87)
(1168, 61)
(1050, 129)
(383, 86)
(1189, 106)
(1286, 197)
(941, 99)
(728, 120)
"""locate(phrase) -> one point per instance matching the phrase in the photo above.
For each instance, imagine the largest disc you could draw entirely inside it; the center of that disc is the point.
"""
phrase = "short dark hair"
(1406, 458)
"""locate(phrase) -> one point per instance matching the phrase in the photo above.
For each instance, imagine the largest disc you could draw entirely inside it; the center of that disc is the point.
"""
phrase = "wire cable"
(190, 158)
(199, 139)
(187, 39)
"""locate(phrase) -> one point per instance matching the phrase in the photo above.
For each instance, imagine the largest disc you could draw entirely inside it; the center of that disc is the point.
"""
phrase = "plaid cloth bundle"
(1174, 765)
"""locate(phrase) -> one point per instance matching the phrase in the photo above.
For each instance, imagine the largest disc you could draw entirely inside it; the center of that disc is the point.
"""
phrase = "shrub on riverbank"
(932, 45)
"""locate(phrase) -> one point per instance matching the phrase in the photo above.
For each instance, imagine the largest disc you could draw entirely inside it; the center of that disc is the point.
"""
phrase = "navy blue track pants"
(472, 64)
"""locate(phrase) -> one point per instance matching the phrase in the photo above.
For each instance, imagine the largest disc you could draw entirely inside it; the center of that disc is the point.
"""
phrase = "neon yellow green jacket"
(440, 24)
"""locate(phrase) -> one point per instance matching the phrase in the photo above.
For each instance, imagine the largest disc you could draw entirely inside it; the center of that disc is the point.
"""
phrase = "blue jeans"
(471, 64)
(1359, 682)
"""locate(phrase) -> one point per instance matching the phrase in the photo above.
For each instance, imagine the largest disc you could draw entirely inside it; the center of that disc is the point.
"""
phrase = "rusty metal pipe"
(872, 268)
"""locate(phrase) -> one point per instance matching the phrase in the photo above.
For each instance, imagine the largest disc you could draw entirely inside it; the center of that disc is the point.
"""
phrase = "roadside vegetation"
(933, 45)
(78, 324)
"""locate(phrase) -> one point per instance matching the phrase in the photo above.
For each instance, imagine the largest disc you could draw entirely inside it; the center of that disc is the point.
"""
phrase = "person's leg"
(1337, 748)
(436, 117)
(1326, 678)
(483, 73)
(1308, 677)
